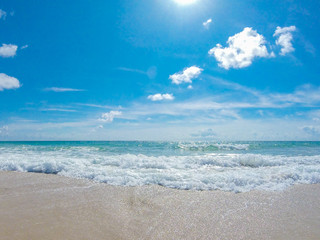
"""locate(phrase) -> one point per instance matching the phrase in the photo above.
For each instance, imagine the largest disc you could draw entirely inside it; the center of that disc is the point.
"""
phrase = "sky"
(185, 70)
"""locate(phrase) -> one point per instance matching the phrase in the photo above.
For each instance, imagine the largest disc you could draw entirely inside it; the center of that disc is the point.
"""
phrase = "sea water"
(227, 166)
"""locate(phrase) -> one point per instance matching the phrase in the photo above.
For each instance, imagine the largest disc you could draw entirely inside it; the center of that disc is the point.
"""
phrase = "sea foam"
(227, 171)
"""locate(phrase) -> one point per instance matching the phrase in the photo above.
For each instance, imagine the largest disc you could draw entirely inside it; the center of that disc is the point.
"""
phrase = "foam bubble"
(207, 146)
(237, 172)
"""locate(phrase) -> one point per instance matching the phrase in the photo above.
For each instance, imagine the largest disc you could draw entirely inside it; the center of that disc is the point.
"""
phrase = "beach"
(160, 120)
(42, 206)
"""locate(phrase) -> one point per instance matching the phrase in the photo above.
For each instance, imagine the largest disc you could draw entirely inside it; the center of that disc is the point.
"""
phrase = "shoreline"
(88, 181)
(46, 206)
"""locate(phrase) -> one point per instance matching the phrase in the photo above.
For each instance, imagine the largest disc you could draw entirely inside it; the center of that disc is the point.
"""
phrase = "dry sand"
(38, 206)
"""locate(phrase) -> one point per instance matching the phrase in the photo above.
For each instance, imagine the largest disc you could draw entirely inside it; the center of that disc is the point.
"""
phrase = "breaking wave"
(237, 172)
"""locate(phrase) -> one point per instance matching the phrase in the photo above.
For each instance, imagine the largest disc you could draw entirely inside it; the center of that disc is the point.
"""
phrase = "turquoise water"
(228, 166)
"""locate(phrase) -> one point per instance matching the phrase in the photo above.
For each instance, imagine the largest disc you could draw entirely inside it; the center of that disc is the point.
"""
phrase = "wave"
(237, 172)
(203, 146)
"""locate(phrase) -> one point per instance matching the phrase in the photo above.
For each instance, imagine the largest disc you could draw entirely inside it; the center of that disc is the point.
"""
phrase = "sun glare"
(185, 2)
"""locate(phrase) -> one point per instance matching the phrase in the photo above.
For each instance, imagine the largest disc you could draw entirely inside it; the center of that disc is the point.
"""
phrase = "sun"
(185, 2)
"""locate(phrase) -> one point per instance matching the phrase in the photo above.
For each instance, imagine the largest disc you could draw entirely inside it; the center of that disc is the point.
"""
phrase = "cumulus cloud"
(285, 39)
(8, 50)
(57, 89)
(207, 23)
(3, 14)
(243, 48)
(187, 75)
(7, 82)
(160, 97)
(110, 116)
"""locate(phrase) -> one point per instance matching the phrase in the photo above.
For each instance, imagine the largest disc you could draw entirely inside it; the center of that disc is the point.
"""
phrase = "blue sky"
(159, 70)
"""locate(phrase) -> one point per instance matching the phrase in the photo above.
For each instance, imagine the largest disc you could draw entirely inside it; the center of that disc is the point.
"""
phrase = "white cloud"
(25, 46)
(231, 105)
(207, 23)
(99, 106)
(230, 113)
(243, 48)
(57, 110)
(186, 75)
(285, 39)
(306, 94)
(3, 14)
(7, 82)
(109, 116)
(57, 89)
(208, 133)
(151, 73)
(160, 97)
(8, 50)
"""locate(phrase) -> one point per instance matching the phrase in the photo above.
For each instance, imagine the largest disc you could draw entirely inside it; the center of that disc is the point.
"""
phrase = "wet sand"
(39, 206)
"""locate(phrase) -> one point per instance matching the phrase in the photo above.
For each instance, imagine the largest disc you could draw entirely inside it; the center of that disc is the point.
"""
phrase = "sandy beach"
(39, 206)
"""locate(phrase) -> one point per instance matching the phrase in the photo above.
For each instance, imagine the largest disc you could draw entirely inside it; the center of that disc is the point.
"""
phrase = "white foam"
(229, 171)
(208, 145)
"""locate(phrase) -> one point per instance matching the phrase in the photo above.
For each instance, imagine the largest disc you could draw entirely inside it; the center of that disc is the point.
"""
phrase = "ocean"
(226, 166)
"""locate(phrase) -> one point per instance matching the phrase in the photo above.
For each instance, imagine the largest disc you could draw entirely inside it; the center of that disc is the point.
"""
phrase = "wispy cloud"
(131, 70)
(225, 130)
(58, 89)
(3, 14)
(57, 110)
(150, 73)
(307, 95)
(232, 85)
(186, 76)
(8, 50)
(228, 106)
(24, 46)
(229, 113)
(285, 39)
(207, 23)
(160, 97)
(99, 106)
(4, 130)
(7, 82)
(208, 133)
(187, 119)
(242, 49)
(188, 108)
